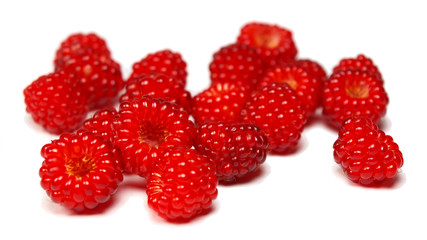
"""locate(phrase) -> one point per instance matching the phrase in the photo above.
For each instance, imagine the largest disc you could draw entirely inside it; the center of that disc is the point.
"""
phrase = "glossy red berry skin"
(302, 81)
(274, 43)
(101, 81)
(78, 45)
(145, 127)
(365, 153)
(158, 85)
(56, 102)
(235, 149)
(182, 184)
(236, 63)
(280, 114)
(314, 67)
(361, 62)
(353, 93)
(166, 61)
(220, 102)
(79, 170)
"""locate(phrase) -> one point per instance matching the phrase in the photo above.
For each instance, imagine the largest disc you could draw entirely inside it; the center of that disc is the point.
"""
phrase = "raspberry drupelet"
(365, 153)
(279, 112)
(145, 127)
(361, 62)
(56, 102)
(182, 184)
(79, 170)
(353, 93)
(235, 149)
(274, 43)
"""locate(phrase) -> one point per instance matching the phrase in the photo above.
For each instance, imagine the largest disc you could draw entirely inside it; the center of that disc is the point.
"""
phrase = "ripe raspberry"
(78, 45)
(101, 81)
(279, 112)
(79, 170)
(361, 63)
(236, 63)
(220, 102)
(182, 184)
(353, 93)
(315, 68)
(158, 85)
(56, 102)
(101, 123)
(166, 62)
(272, 42)
(234, 148)
(365, 153)
(145, 127)
(305, 84)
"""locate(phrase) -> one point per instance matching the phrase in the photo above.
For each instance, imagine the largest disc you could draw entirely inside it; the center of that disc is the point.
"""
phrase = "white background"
(300, 196)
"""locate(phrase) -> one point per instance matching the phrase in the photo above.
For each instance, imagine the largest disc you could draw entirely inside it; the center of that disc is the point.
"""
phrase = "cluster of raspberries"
(259, 101)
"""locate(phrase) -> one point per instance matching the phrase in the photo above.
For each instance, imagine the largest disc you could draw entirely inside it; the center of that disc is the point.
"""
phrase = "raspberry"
(101, 81)
(236, 63)
(159, 86)
(166, 62)
(234, 148)
(315, 68)
(274, 43)
(359, 63)
(56, 102)
(78, 45)
(365, 153)
(79, 170)
(305, 84)
(145, 127)
(220, 102)
(353, 93)
(279, 112)
(182, 184)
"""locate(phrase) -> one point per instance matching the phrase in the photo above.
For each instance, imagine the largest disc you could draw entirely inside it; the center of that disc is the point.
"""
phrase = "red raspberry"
(272, 42)
(306, 85)
(79, 170)
(359, 63)
(182, 184)
(234, 148)
(365, 153)
(158, 85)
(145, 127)
(101, 123)
(279, 112)
(220, 102)
(166, 62)
(315, 68)
(101, 81)
(56, 102)
(78, 45)
(353, 93)
(236, 63)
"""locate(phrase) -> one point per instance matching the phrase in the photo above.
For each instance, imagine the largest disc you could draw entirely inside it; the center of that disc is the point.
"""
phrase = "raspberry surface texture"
(79, 170)
(306, 85)
(361, 62)
(166, 61)
(77, 46)
(314, 67)
(182, 184)
(101, 81)
(353, 93)
(158, 85)
(274, 43)
(147, 126)
(235, 149)
(56, 102)
(365, 153)
(220, 102)
(279, 112)
(236, 63)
